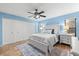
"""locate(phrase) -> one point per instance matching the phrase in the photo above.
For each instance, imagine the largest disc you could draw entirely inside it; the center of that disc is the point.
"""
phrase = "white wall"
(51, 9)
(58, 9)
(14, 30)
(56, 28)
(19, 9)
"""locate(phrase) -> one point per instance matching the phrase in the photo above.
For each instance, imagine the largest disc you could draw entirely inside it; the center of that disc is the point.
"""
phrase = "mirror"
(70, 26)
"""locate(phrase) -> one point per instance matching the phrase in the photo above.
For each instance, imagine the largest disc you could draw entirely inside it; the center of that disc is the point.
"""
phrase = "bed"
(43, 42)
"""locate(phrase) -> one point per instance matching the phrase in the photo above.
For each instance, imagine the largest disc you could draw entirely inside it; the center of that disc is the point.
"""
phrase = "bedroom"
(23, 34)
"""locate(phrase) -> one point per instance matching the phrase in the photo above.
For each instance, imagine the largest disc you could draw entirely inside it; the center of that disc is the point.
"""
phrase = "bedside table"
(65, 38)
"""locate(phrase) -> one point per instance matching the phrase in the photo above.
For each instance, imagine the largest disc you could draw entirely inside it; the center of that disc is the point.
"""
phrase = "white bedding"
(43, 41)
(44, 38)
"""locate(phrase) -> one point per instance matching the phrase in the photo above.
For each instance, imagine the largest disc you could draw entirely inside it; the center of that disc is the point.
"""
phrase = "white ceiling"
(51, 9)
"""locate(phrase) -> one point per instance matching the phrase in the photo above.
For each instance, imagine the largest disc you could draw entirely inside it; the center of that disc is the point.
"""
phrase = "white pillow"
(48, 31)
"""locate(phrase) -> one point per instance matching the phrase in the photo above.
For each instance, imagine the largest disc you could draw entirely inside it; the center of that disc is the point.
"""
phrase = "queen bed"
(43, 42)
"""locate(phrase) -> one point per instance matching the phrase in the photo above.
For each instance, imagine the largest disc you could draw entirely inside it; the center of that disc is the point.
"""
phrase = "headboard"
(50, 28)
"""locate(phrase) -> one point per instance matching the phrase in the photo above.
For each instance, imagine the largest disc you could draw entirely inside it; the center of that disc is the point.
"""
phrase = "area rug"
(28, 50)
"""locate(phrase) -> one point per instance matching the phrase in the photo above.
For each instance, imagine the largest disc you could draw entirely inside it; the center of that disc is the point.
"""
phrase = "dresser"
(65, 38)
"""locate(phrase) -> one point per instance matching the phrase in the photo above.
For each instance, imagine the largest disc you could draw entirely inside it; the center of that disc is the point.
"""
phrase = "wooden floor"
(11, 50)
(63, 47)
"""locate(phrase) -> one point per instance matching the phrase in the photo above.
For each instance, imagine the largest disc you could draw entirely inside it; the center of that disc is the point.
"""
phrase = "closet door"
(8, 31)
(15, 30)
(19, 28)
(30, 29)
(23, 30)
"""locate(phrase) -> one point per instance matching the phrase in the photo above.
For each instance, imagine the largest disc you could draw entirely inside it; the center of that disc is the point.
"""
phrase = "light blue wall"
(36, 22)
(77, 27)
(60, 20)
(36, 27)
(0, 30)
(14, 17)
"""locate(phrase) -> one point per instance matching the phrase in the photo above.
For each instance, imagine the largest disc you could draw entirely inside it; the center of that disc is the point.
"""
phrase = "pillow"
(48, 31)
(52, 31)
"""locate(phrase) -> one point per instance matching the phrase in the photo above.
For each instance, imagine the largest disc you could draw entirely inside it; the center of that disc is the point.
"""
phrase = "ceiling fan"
(37, 14)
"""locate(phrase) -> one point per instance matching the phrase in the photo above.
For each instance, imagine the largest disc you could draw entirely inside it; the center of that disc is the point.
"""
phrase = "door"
(8, 31)
(23, 30)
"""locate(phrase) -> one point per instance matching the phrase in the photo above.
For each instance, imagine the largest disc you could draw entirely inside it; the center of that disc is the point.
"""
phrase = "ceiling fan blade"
(41, 12)
(30, 12)
(42, 15)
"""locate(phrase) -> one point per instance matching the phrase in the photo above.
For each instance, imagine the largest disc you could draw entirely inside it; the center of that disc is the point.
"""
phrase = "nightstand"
(65, 38)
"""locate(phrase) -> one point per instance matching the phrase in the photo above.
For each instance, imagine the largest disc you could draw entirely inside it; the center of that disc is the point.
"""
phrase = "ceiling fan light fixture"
(37, 14)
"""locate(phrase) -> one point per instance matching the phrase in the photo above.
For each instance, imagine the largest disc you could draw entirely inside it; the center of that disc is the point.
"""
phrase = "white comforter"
(45, 38)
